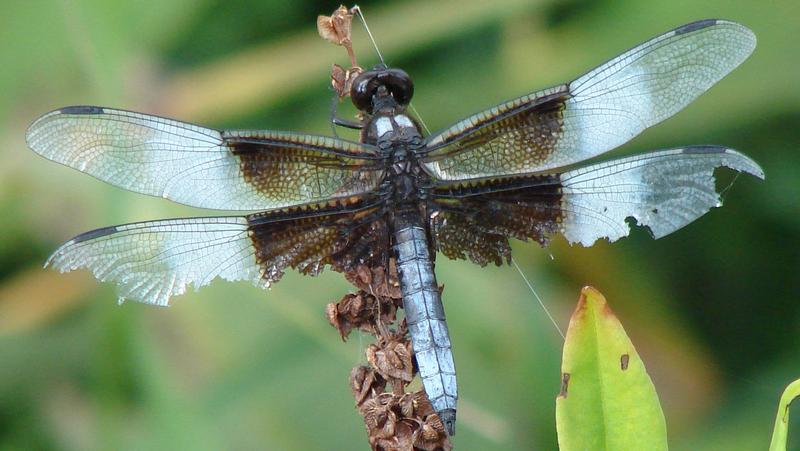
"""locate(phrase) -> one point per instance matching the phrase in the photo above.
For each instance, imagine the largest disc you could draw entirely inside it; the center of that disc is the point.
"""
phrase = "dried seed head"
(422, 405)
(342, 79)
(406, 404)
(404, 433)
(395, 420)
(336, 27)
(392, 360)
(338, 79)
(378, 280)
(366, 383)
(360, 311)
(429, 438)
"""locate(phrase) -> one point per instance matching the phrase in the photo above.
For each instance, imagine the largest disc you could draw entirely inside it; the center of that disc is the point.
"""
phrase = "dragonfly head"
(381, 86)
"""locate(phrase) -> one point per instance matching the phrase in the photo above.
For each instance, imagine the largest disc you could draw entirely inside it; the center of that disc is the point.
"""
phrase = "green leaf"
(607, 401)
(781, 429)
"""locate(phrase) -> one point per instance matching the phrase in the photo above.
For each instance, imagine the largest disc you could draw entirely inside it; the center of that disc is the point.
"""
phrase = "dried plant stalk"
(395, 420)
(336, 29)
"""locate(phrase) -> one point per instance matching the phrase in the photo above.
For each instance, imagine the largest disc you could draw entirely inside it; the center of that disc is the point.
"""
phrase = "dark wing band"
(663, 190)
(598, 112)
(201, 167)
(152, 261)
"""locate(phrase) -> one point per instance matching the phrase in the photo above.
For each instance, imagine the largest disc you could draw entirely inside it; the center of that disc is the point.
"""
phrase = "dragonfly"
(399, 196)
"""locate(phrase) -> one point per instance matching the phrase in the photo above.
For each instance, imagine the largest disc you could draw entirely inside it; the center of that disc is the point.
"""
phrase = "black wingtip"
(448, 417)
(81, 109)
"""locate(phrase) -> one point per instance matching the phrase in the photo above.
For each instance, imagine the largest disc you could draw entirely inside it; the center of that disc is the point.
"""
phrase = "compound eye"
(400, 85)
(362, 90)
(396, 81)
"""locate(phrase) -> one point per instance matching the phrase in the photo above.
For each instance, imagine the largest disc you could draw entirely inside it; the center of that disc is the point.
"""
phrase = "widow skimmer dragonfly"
(507, 172)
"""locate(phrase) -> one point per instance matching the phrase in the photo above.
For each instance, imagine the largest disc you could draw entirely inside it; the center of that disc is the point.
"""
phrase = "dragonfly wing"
(596, 113)
(663, 190)
(192, 165)
(152, 261)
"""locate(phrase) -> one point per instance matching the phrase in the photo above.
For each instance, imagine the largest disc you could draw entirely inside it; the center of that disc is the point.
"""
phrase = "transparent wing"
(152, 261)
(235, 170)
(599, 111)
(663, 190)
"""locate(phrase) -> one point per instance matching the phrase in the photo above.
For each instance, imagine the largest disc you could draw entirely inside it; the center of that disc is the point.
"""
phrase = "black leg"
(336, 120)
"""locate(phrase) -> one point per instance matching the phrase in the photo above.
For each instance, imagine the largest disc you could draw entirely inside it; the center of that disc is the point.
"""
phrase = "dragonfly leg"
(336, 120)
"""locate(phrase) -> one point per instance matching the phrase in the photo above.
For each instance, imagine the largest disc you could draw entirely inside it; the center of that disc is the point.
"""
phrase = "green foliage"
(781, 429)
(607, 401)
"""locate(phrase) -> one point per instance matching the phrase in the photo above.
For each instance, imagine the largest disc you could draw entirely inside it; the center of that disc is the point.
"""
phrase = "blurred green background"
(713, 308)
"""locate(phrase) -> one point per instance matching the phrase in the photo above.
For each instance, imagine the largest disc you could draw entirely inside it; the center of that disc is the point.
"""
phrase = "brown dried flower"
(336, 27)
(361, 311)
(394, 423)
(342, 79)
(378, 280)
(392, 358)
(366, 383)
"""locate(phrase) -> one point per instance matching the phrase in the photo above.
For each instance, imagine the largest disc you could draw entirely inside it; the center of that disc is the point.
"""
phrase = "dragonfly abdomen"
(425, 315)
